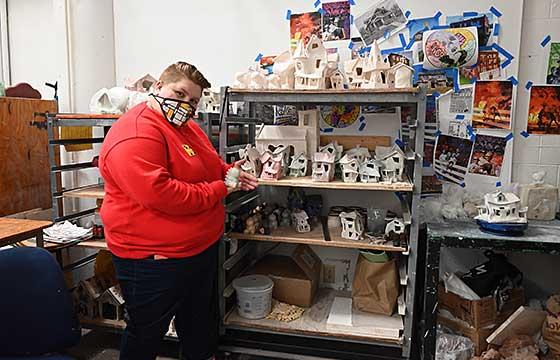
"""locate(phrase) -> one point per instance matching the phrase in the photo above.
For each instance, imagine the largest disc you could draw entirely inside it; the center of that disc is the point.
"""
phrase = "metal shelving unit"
(271, 340)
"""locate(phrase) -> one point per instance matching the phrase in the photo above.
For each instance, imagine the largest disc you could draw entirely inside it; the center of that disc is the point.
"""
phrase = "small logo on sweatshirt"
(188, 150)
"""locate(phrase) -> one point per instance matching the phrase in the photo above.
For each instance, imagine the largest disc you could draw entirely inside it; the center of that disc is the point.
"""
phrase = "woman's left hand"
(247, 181)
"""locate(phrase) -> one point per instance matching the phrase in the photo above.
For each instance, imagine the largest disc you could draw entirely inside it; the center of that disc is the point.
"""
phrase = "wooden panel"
(92, 192)
(338, 184)
(349, 142)
(13, 230)
(24, 160)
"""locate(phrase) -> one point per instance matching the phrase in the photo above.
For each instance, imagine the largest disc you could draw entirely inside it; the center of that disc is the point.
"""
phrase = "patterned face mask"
(177, 112)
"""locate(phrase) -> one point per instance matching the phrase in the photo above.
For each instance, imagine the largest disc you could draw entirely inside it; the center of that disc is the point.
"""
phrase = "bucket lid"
(253, 283)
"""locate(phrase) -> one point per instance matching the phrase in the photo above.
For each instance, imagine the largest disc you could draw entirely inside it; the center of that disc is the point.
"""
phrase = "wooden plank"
(338, 184)
(24, 160)
(91, 192)
(15, 230)
(349, 142)
(93, 244)
(314, 323)
(336, 237)
(522, 322)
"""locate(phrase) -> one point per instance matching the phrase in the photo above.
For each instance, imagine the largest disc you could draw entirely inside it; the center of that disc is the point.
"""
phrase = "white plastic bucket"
(254, 296)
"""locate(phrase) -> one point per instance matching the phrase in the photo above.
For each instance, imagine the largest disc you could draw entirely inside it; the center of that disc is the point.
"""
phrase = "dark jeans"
(156, 290)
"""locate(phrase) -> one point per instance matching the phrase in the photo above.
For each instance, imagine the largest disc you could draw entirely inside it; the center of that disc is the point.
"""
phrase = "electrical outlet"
(329, 273)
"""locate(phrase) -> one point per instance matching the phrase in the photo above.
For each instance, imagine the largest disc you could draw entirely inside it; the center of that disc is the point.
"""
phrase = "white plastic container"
(254, 296)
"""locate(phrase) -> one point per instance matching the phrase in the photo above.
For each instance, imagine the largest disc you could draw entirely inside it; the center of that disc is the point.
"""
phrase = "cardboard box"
(477, 336)
(296, 279)
(480, 313)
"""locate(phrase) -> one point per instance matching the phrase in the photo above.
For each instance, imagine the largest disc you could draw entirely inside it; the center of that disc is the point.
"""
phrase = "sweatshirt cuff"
(219, 188)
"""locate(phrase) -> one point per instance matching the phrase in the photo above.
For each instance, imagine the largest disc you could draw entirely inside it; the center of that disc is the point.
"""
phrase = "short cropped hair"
(181, 70)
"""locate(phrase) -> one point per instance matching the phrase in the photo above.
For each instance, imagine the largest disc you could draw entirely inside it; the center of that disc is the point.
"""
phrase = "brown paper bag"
(551, 326)
(376, 286)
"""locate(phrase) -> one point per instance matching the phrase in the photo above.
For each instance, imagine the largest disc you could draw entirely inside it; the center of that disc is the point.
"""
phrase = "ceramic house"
(393, 163)
(502, 207)
(350, 168)
(284, 67)
(143, 84)
(399, 76)
(370, 171)
(85, 296)
(360, 153)
(376, 69)
(355, 71)
(111, 304)
(395, 231)
(301, 221)
(298, 166)
(309, 120)
(209, 101)
(323, 167)
(273, 81)
(271, 165)
(352, 225)
(252, 157)
(310, 64)
(334, 77)
(271, 137)
(251, 79)
(336, 80)
(332, 148)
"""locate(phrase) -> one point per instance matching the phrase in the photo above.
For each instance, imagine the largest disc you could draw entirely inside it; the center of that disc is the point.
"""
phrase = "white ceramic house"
(298, 166)
(111, 304)
(332, 148)
(502, 207)
(352, 225)
(355, 72)
(273, 82)
(396, 226)
(336, 80)
(310, 64)
(271, 165)
(350, 168)
(209, 101)
(323, 167)
(301, 221)
(143, 84)
(272, 137)
(399, 76)
(377, 69)
(284, 67)
(370, 171)
(393, 163)
(252, 157)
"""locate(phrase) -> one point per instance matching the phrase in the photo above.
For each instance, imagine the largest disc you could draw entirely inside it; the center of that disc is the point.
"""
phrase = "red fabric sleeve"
(139, 167)
(225, 167)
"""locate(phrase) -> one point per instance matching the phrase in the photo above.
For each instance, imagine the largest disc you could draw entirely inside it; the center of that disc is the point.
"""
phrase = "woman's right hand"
(231, 189)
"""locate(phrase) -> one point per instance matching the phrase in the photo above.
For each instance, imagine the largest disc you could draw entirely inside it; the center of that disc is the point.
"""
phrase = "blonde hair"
(181, 70)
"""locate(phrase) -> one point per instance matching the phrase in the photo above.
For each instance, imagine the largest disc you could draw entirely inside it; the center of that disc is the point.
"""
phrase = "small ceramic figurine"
(393, 163)
(370, 171)
(298, 166)
(502, 213)
(232, 177)
(272, 166)
(252, 157)
(352, 225)
(301, 221)
(395, 232)
(350, 167)
(323, 167)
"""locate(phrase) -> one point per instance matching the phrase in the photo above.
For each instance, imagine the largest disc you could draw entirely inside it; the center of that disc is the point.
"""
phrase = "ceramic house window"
(314, 46)
(396, 159)
(397, 228)
(359, 71)
(318, 63)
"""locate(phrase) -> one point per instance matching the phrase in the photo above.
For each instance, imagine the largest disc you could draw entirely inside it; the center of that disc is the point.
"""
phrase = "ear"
(157, 86)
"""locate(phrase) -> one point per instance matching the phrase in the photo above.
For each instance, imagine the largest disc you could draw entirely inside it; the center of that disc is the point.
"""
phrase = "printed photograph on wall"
(488, 155)
(461, 102)
(434, 79)
(481, 23)
(475, 20)
(431, 185)
(384, 17)
(487, 68)
(553, 72)
(451, 158)
(302, 26)
(416, 27)
(336, 21)
(340, 116)
(458, 128)
(449, 48)
(492, 104)
(544, 110)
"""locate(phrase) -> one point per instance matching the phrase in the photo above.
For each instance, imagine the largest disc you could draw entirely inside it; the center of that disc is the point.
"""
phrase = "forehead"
(187, 85)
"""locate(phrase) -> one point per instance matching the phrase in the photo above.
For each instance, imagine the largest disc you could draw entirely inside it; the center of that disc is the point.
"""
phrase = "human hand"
(247, 182)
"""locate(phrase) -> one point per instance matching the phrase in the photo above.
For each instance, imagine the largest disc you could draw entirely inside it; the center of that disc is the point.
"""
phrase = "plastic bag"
(453, 347)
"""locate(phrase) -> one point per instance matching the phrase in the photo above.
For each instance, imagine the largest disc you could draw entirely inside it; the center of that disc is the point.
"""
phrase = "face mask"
(177, 112)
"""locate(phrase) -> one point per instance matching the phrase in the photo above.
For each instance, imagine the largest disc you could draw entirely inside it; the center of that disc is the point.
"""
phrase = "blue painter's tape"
(438, 15)
(259, 57)
(317, 3)
(352, 2)
(351, 19)
(473, 137)
(362, 126)
(393, 50)
(439, 27)
(364, 50)
(496, 29)
(502, 51)
(437, 133)
(470, 129)
(288, 14)
(495, 11)
(524, 133)
(528, 85)
(403, 40)
(470, 14)
(361, 118)
(505, 64)
(269, 70)
(387, 34)
(474, 80)
(328, 130)
(545, 41)
(321, 11)
(513, 80)
(509, 137)
(456, 80)
(460, 117)
(399, 143)
(409, 45)
(407, 13)
(436, 94)
(350, 45)
(462, 184)
(486, 48)
(498, 183)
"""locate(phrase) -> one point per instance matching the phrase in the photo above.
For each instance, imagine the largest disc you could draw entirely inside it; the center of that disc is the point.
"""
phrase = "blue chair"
(37, 318)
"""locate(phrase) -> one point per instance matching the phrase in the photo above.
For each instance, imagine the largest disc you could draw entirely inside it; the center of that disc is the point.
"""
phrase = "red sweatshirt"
(163, 187)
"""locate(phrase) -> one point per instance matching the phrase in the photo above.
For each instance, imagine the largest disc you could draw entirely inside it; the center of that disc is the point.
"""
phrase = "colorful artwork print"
(449, 48)
(451, 158)
(302, 26)
(488, 155)
(434, 79)
(487, 68)
(481, 23)
(336, 21)
(380, 19)
(544, 110)
(492, 104)
(553, 72)
(340, 116)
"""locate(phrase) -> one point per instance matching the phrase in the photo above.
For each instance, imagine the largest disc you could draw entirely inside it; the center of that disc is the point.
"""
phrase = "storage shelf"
(90, 192)
(376, 329)
(306, 181)
(316, 237)
(99, 244)
(112, 324)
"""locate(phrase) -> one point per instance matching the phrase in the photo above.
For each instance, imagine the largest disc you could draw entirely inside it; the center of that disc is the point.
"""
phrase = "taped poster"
(553, 72)
(451, 158)
(544, 110)
(302, 26)
(450, 48)
(380, 19)
(492, 104)
(488, 155)
(461, 102)
(336, 21)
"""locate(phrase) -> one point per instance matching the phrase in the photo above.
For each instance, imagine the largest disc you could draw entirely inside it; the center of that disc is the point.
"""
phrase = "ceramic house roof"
(331, 148)
(296, 163)
(396, 222)
(250, 153)
(501, 198)
(300, 215)
(399, 65)
(323, 157)
(352, 215)
(383, 153)
(375, 58)
(358, 151)
(370, 168)
(268, 155)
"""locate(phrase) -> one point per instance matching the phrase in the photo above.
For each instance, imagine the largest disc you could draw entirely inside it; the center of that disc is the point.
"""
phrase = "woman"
(163, 216)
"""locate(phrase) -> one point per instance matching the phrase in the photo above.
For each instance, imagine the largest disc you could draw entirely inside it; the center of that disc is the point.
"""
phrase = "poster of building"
(336, 21)
(461, 102)
(384, 17)
(488, 155)
(544, 110)
(302, 26)
(451, 158)
(450, 48)
(492, 104)
(553, 71)
(434, 79)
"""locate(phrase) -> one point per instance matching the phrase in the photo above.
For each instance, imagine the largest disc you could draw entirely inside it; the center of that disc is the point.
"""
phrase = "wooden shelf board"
(91, 192)
(338, 184)
(93, 244)
(315, 237)
(314, 323)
